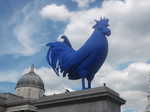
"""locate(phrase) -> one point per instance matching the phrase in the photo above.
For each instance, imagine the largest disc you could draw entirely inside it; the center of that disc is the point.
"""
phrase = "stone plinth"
(101, 99)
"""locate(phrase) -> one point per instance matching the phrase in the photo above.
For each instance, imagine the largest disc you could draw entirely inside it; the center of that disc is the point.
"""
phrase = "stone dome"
(30, 79)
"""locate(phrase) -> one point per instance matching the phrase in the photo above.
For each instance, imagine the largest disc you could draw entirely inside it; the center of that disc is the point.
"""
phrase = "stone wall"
(29, 92)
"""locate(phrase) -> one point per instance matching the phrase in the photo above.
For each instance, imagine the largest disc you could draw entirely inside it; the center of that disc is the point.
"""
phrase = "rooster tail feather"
(55, 57)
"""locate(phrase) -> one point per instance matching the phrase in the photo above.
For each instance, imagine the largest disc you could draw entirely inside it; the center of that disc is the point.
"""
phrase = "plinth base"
(101, 99)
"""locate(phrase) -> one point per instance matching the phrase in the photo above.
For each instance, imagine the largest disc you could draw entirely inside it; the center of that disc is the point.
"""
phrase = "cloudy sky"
(27, 25)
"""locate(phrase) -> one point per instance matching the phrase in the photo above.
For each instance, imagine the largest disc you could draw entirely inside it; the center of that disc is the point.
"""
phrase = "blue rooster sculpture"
(84, 62)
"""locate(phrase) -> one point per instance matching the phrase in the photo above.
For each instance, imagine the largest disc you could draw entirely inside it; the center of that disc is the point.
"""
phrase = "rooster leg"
(83, 83)
(89, 84)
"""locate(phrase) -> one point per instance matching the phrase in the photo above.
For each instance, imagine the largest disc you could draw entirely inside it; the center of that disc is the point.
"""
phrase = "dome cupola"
(30, 79)
(30, 84)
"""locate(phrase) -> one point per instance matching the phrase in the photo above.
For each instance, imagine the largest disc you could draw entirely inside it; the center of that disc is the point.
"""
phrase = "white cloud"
(129, 23)
(25, 23)
(83, 3)
(55, 12)
(23, 34)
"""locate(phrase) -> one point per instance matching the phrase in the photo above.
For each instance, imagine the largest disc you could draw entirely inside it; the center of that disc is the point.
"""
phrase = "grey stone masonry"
(22, 108)
(2, 104)
(101, 99)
